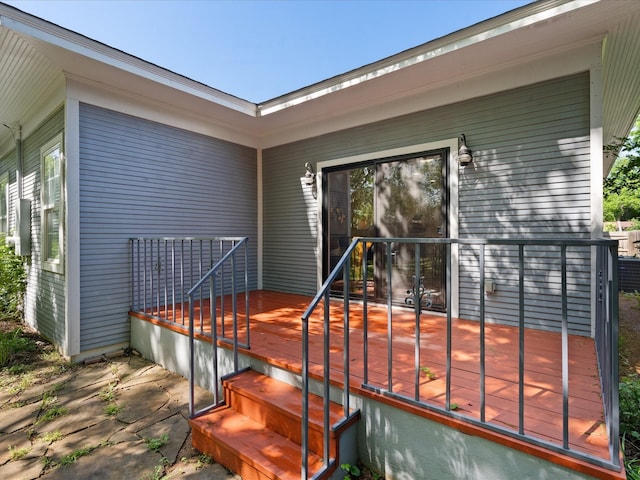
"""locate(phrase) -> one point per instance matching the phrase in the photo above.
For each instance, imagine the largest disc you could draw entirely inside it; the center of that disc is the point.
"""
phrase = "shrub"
(12, 343)
(630, 407)
(12, 283)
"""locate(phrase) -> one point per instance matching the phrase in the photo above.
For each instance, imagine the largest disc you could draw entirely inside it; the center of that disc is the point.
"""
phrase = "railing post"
(614, 445)
(246, 291)
(521, 339)
(191, 361)
(365, 319)
(389, 319)
(304, 443)
(482, 335)
(417, 307)
(565, 350)
(449, 321)
(346, 346)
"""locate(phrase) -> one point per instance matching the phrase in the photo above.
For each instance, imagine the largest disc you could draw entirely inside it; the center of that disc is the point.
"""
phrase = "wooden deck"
(275, 323)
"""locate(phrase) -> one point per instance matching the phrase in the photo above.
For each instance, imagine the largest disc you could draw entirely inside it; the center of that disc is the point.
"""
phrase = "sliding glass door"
(401, 197)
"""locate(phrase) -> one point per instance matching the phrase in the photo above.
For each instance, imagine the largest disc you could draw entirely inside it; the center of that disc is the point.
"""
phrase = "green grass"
(18, 453)
(112, 409)
(75, 455)
(52, 413)
(108, 393)
(155, 444)
(54, 436)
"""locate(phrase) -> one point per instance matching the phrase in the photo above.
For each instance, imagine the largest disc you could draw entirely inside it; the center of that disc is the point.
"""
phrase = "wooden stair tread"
(287, 398)
(266, 451)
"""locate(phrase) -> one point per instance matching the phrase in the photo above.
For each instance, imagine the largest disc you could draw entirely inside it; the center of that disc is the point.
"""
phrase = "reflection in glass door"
(389, 198)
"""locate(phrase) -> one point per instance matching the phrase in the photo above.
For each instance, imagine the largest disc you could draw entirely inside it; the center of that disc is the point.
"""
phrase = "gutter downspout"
(19, 162)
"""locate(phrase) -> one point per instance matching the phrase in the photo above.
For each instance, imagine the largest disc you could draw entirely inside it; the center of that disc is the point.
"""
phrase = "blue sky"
(258, 50)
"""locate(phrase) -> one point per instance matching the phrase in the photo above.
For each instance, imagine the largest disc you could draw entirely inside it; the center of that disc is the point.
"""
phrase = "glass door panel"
(397, 198)
(410, 204)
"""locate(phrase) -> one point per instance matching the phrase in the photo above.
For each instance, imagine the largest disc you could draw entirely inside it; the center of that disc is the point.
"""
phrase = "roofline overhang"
(45, 31)
(522, 17)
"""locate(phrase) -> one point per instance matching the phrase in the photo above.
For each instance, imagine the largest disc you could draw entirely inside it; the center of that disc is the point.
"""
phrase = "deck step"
(257, 433)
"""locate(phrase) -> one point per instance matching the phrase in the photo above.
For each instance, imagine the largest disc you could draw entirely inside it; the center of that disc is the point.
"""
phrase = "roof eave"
(68, 41)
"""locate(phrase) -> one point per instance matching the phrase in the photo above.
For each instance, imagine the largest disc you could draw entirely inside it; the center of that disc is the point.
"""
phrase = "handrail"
(342, 265)
(212, 278)
(605, 341)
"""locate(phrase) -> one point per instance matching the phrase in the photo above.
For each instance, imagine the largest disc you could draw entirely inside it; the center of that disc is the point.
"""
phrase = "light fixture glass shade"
(464, 154)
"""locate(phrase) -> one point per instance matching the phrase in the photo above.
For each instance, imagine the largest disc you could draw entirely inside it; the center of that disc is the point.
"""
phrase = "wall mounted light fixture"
(310, 179)
(309, 174)
(464, 154)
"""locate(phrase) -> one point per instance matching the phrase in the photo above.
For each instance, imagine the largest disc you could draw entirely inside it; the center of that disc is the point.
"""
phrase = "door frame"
(451, 188)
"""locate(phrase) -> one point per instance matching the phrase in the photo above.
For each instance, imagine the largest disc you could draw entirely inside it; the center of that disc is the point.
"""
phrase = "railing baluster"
(158, 268)
(201, 296)
(521, 339)
(166, 279)
(612, 359)
(482, 335)
(182, 289)
(173, 280)
(191, 318)
(565, 350)
(144, 282)
(222, 292)
(234, 310)
(389, 320)
(345, 348)
(417, 299)
(246, 291)
(214, 336)
(192, 369)
(449, 325)
(365, 318)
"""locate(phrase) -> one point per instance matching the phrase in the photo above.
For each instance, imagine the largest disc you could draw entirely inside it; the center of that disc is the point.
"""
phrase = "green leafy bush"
(630, 407)
(12, 343)
(12, 283)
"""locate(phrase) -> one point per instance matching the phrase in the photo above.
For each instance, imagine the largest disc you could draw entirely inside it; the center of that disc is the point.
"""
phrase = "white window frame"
(4, 207)
(47, 206)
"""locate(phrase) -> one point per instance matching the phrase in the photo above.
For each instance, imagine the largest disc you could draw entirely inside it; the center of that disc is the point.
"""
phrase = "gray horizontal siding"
(8, 166)
(542, 285)
(45, 298)
(530, 178)
(143, 179)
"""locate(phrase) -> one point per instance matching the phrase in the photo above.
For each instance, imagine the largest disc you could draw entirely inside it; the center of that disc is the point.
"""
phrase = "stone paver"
(85, 442)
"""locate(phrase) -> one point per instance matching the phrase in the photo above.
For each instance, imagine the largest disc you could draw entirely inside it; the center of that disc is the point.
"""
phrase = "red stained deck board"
(276, 331)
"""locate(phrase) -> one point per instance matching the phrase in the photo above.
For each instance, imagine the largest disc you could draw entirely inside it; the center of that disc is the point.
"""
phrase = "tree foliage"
(12, 282)
(622, 186)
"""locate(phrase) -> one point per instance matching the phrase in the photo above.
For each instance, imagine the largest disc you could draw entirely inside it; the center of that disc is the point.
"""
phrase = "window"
(4, 203)
(52, 205)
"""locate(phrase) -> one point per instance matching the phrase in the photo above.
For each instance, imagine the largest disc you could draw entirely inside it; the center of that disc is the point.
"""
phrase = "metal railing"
(212, 286)
(556, 271)
(194, 283)
(164, 269)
